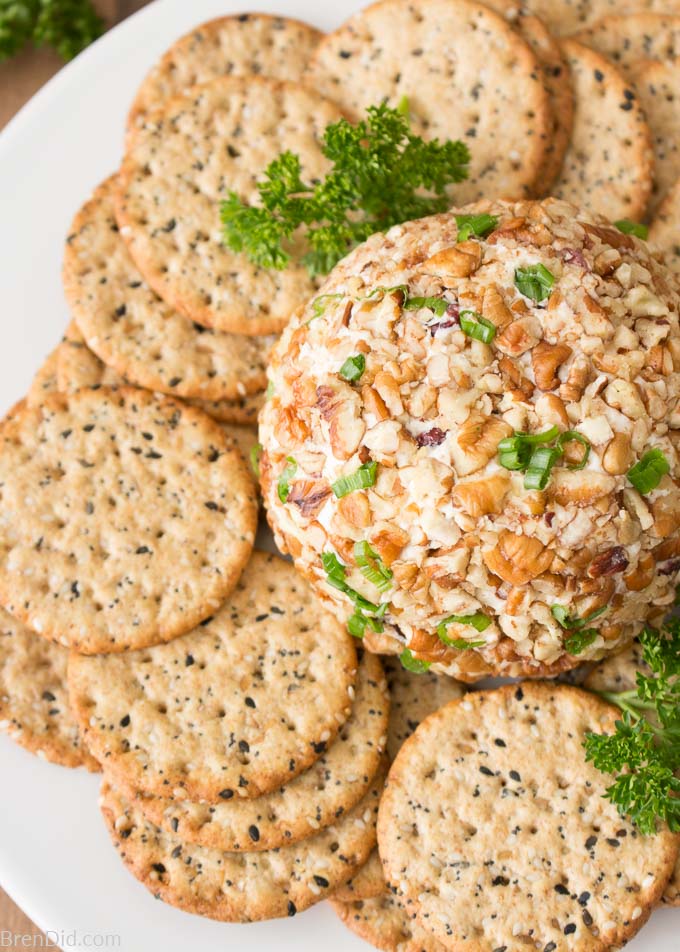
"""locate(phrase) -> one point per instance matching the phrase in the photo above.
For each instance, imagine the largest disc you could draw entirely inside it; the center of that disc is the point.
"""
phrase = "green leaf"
(629, 227)
(381, 174)
(17, 24)
(478, 225)
(413, 664)
(283, 485)
(534, 282)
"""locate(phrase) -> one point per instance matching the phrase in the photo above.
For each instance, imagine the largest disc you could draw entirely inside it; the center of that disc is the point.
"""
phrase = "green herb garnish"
(436, 304)
(413, 664)
(581, 637)
(255, 453)
(283, 485)
(527, 453)
(382, 174)
(478, 621)
(644, 751)
(577, 643)
(534, 282)
(66, 25)
(372, 566)
(478, 225)
(479, 328)
(629, 227)
(320, 304)
(353, 368)
(362, 478)
(649, 470)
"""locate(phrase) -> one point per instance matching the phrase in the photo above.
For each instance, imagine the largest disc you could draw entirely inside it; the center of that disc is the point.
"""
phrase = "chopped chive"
(362, 478)
(381, 289)
(578, 642)
(335, 576)
(649, 470)
(358, 623)
(629, 227)
(479, 621)
(515, 459)
(372, 566)
(539, 467)
(283, 485)
(413, 664)
(478, 225)
(353, 368)
(403, 107)
(572, 436)
(562, 616)
(477, 327)
(255, 459)
(320, 304)
(436, 304)
(514, 441)
(534, 282)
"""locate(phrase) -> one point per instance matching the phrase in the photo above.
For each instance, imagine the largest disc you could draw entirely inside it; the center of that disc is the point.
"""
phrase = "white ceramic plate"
(56, 860)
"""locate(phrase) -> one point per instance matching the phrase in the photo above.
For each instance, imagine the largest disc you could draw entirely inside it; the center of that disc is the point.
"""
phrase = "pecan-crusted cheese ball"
(471, 440)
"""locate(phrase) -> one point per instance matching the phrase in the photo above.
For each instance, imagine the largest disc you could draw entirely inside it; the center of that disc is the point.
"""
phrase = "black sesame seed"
(176, 852)
(345, 54)
(500, 881)
(291, 908)
(48, 696)
(174, 381)
(226, 794)
(587, 918)
(612, 841)
(515, 776)
(569, 928)
(211, 505)
(486, 771)
(321, 881)
(320, 747)
(120, 311)
(125, 721)
(550, 947)
(124, 834)
(583, 898)
(519, 694)
(250, 702)
(599, 75)
(175, 824)
(499, 742)
(254, 833)
(561, 889)
(189, 660)
(159, 867)
(143, 550)
(244, 746)
(590, 842)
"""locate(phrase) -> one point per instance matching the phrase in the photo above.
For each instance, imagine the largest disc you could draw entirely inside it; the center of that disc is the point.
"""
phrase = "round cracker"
(367, 883)
(384, 923)
(555, 75)
(136, 333)
(241, 887)
(248, 44)
(45, 380)
(619, 673)
(188, 157)
(78, 367)
(127, 518)
(431, 53)
(237, 707)
(664, 231)
(474, 830)
(564, 17)
(315, 799)
(627, 39)
(34, 707)
(658, 88)
(413, 698)
(608, 167)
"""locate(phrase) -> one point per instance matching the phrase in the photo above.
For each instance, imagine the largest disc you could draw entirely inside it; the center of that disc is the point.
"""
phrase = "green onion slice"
(436, 304)
(320, 304)
(561, 615)
(413, 664)
(335, 576)
(534, 282)
(372, 566)
(271, 390)
(353, 368)
(629, 227)
(358, 623)
(477, 327)
(517, 439)
(572, 436)
(255, 453)
(362, 478)
(478, 621)
(649, 470)
(283, 485)
(540, 465)
(478, 225)
(381, 289)
(578, 642)
(403, 107)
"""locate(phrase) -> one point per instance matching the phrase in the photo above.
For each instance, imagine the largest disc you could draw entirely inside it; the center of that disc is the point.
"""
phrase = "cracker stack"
(244, 744)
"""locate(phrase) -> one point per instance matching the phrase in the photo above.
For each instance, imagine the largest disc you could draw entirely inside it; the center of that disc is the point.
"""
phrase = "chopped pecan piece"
(479, 497)
(518, 559)
(546, 359)
(610, 562)
(309, 495)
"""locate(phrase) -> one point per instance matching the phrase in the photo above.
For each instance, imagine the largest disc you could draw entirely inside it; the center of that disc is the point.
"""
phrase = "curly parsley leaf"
(381, 174)
(67, 25)
(643, 753)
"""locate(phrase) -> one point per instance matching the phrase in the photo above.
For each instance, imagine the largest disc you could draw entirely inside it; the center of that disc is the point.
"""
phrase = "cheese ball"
(471, 441)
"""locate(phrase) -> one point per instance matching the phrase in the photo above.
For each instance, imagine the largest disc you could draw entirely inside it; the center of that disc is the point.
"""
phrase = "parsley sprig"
(644, 751)
(67, 25)
(381, 174)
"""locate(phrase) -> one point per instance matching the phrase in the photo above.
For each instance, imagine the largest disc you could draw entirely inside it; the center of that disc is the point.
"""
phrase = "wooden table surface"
(19, 79)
